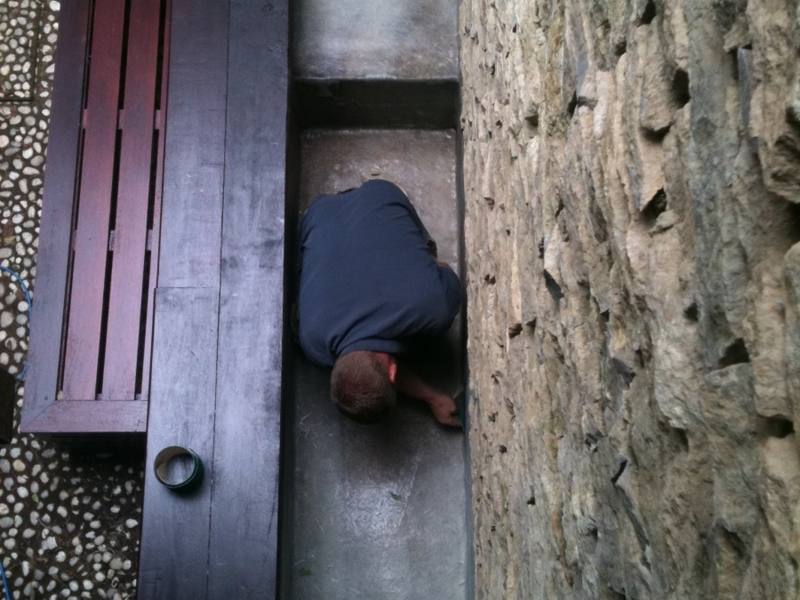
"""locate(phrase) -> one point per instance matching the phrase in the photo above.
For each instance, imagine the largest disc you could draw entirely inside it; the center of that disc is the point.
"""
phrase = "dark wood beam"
(217, 353)
(55, 230)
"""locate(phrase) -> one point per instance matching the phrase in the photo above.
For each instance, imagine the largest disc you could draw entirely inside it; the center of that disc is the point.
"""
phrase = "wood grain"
(194, 153)
(92, 228)
(80, 417)
(133, 196)
(155, 232)
(55, 230)
(249, 367)
(173, 564)
(174, 559)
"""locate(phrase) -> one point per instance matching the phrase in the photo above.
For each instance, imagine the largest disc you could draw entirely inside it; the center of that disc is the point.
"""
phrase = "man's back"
(368, 279)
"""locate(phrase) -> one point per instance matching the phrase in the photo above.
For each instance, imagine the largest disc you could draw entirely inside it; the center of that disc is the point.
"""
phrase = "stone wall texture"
(632, 186)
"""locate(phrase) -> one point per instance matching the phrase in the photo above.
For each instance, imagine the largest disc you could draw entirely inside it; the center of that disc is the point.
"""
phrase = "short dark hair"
(360, 386)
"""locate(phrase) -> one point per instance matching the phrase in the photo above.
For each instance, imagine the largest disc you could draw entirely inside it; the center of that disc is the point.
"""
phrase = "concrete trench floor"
(379, 512)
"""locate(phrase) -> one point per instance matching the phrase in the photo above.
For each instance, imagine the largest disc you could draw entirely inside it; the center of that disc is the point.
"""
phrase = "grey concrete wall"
(632, 228)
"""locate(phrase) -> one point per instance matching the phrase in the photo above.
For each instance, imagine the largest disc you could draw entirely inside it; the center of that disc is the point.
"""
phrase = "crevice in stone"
(734, 542)
(624, 371)
(557, 348)
(690, 312)
(559, 208)
(680, 88)
(793, 214)
(615, 595)
(649, 13)
(683, 439)
(621, 47)
(620, 470)
(735, 354)
(657, 135)
(598, 221)
(532, 114)
(591, 527)
(540, 248)
(553, 287)
(514, 330)
(509, 407)
(656, 206)
(638, 528)
(642, 354)
(532, 500)
(792, 116)
(777, 426)
(676, 435)
(573, 104)
(590, 441)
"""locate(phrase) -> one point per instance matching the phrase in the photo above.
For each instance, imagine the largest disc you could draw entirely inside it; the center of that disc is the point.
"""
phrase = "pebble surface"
(69, 522)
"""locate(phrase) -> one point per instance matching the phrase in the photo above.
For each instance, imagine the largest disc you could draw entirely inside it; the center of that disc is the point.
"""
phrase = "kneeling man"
(369, 283)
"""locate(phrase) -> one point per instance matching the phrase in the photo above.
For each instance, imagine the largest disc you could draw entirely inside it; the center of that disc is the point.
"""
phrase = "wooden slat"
(92, 417)
(56, 226)
(174, 545)
(243, 544)
(194, 154)
(91, 235)
(155, 233)
(130, 231)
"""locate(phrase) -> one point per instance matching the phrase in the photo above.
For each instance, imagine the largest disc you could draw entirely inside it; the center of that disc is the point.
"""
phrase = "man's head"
(362, 385)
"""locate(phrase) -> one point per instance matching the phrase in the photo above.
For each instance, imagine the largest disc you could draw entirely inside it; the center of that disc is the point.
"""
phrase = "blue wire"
(5, 581)
(24, 287)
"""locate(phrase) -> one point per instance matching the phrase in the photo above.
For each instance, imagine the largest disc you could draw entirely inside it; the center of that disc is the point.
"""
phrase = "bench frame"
(101, 208)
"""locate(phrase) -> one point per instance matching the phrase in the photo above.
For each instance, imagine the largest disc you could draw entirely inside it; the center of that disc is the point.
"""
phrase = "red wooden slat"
(155, 234)
(130, 232)
(91, 236)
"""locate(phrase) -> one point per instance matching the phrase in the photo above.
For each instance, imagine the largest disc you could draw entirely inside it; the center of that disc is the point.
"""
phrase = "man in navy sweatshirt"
(369, 283)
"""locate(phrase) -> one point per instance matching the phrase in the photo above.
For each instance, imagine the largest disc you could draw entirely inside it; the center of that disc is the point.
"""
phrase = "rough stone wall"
(632, 177)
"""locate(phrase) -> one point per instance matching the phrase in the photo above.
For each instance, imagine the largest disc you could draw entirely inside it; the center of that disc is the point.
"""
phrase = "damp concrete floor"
(379, 511)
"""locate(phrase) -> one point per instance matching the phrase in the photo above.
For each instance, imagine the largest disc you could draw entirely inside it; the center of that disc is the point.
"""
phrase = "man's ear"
(392, 367)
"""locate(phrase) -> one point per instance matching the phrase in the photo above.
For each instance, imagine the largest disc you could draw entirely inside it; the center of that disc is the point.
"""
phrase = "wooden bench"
(99, 236)
(159, 301)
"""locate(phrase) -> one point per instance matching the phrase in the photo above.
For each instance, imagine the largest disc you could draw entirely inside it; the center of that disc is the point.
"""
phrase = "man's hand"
(445, 410)
(443, 406)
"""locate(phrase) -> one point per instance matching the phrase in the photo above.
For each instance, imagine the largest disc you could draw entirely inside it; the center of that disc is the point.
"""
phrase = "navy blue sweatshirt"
(368, 281)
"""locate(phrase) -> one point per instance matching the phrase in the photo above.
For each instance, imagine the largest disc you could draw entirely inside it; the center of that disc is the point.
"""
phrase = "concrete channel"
(377, 512)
